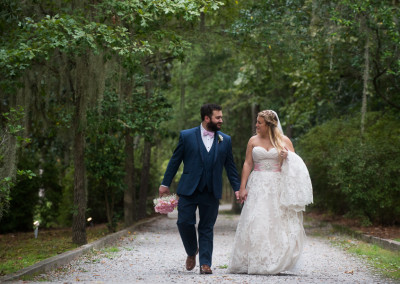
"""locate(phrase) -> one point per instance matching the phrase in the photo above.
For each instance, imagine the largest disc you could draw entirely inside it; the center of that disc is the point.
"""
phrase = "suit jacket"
(189, 151)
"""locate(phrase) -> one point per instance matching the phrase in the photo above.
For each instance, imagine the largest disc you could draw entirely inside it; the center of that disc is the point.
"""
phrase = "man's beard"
(213, 126)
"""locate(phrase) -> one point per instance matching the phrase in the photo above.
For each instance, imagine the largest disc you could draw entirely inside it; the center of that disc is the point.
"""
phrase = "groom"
(204, 151)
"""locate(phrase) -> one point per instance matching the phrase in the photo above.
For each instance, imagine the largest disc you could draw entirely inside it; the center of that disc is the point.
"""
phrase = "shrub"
(354, 175)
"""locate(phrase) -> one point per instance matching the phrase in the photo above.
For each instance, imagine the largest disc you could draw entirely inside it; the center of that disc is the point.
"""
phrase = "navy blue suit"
(200, 186)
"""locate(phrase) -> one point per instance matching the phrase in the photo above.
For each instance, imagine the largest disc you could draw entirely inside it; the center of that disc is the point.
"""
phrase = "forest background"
(94, 94)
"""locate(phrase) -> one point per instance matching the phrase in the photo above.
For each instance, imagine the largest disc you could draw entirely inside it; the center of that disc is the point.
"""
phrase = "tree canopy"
(94, 93)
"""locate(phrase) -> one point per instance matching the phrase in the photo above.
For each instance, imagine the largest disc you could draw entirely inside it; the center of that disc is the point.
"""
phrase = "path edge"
(66, 257)
(388, 244)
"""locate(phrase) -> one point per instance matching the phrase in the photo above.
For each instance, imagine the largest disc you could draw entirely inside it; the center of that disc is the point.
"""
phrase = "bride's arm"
(284, 153)
(247, 166)
(288, 143)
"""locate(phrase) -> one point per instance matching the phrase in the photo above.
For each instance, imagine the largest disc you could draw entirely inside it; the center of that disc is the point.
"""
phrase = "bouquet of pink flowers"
(165, 205)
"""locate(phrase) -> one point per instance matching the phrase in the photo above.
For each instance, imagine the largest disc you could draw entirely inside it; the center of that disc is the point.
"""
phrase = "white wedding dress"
(270, 234)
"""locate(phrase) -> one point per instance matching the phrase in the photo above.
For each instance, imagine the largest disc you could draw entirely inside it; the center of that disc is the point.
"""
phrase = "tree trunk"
(255, 109)
(109, 200)
(79, 216)
(182, 93)
(202, 22)
(80, 198)
(365, 79)
(144, 180)
(129, 193)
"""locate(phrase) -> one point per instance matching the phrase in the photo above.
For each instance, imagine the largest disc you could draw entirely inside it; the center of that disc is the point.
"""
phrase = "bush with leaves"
(23, 197)
(105, 155)
(354, 175)
(11, 130)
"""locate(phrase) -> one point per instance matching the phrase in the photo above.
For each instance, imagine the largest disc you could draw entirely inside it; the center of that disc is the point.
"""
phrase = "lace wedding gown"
(270, 234)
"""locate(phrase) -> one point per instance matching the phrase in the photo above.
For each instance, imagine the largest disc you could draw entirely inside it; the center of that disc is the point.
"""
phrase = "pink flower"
(165, 205)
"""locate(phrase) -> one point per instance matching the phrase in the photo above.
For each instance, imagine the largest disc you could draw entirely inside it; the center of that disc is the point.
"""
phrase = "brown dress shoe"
(205, 269)
(191, 261)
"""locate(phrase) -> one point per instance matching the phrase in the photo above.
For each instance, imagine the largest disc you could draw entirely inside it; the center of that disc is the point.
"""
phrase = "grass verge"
(384, 261)
(20, 250)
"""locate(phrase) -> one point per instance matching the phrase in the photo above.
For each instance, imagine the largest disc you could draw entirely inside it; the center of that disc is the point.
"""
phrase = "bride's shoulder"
(253, 139)
(252, 142)
(288, 143)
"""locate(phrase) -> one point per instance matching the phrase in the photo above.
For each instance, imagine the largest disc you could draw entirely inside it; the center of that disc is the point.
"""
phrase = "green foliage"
(105, 154)
(64, 216)
(68, 33)
(303, 60)
(105, 144)
(75, 33)
(354, 176)
(355, 22)
(47, 208)
(307, 61)
(10, 135)
(143, 115)
(38, 37)
(23, 199)
(147, 12)
(5, 190)
(5, 198)
(11, 126)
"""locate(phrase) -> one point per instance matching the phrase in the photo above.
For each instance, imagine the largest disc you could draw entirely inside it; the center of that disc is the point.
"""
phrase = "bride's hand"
(242, 195)
(284, 153)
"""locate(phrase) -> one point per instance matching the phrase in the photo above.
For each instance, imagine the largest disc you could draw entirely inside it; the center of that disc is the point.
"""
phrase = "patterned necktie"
(209, 133)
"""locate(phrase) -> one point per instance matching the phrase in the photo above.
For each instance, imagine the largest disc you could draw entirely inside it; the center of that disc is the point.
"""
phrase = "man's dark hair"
(207, 110)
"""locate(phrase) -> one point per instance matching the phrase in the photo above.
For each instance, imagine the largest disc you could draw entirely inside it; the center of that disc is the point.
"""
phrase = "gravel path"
(155, 254)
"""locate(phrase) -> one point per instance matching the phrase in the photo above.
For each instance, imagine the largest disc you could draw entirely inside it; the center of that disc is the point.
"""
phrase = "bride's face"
(261, 126)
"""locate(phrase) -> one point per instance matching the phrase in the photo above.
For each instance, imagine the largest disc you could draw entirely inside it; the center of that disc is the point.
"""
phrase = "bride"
(270, 234)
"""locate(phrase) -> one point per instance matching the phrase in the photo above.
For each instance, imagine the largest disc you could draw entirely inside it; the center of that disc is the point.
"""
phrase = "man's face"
(215, 122)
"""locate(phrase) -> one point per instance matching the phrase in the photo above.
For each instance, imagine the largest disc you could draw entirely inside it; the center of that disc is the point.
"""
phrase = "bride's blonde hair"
(275, 135)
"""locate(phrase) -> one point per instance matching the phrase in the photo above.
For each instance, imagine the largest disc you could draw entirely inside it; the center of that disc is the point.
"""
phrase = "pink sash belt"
(266, 167)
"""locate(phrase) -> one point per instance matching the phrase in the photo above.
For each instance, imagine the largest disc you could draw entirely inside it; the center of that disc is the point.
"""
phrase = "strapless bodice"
(265, 160)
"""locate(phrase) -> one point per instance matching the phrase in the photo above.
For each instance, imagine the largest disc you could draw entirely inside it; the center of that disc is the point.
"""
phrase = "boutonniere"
(220, 138)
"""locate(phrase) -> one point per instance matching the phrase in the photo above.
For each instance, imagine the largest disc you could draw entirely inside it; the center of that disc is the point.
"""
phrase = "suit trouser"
(208, 212)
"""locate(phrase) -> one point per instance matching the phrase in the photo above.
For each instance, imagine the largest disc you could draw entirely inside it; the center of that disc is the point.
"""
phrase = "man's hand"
(237, 195)
(163, 190)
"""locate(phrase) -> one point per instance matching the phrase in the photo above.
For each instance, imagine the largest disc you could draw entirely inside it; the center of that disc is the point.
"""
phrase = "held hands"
(163, 190)
(242, 195)
(237, 194)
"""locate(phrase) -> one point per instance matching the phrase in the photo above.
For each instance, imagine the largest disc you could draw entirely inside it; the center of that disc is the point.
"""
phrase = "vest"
(206, 177)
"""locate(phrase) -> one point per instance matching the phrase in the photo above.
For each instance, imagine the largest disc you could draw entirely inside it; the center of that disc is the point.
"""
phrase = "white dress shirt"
(207, 140)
